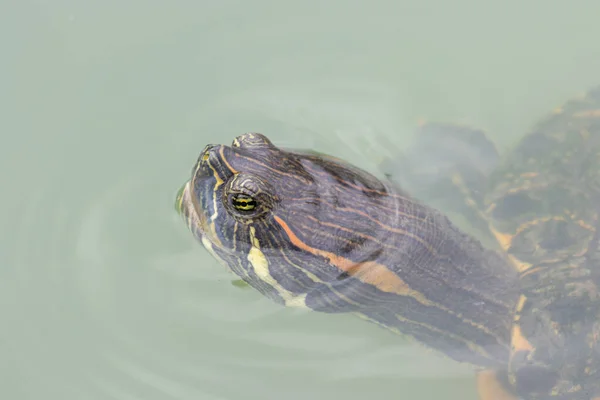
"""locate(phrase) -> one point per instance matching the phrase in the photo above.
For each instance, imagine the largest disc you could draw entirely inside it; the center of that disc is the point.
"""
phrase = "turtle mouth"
(197, 221)
(184, 205)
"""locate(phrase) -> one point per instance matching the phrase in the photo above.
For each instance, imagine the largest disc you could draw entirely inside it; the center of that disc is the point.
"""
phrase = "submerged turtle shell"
(540, 201)
(542, 205)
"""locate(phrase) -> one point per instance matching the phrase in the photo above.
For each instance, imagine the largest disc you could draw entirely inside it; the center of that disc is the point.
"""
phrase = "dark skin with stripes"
(308, 230)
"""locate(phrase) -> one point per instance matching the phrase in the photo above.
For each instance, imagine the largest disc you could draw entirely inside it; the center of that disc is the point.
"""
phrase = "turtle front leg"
(447, 166)
(491, 386)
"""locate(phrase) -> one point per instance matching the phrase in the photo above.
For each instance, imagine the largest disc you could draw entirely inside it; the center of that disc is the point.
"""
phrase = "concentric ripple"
(361, 121)
(108, 296)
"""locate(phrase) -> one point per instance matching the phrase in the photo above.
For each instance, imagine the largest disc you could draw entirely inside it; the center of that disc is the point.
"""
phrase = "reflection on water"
(104, 294)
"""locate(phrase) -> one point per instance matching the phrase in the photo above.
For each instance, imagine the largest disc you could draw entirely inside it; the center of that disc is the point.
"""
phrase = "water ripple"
(108, 296)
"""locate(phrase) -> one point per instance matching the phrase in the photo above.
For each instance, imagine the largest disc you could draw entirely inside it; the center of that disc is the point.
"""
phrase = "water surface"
(104, 294)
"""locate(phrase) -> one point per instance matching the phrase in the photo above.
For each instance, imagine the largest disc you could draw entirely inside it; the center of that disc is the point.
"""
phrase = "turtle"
(540, 202)
(309, 230)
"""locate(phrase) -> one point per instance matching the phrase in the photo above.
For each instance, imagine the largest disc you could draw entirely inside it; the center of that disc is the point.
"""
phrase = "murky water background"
(104, 107)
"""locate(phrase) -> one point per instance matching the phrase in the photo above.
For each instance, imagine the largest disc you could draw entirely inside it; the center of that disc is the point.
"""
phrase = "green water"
(104, 294)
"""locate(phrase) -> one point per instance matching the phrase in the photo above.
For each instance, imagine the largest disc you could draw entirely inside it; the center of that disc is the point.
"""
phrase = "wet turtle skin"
(311, 231)
(540, 201)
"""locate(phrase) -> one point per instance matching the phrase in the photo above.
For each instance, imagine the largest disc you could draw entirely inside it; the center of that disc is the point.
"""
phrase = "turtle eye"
(247, 196)
(252, 140)
(247, 206)
(243, 202)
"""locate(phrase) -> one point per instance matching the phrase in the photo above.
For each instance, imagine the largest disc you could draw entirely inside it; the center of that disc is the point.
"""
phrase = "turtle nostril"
(205, 154)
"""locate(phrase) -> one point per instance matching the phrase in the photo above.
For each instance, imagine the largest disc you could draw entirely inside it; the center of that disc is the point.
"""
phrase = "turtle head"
(277, 218)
